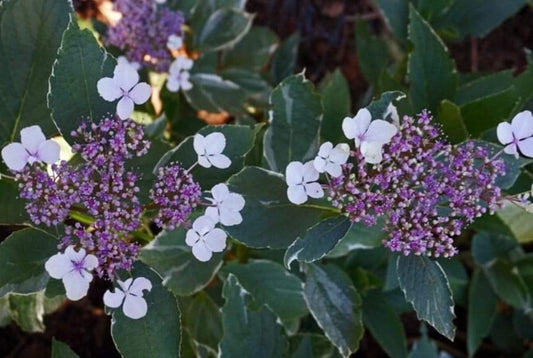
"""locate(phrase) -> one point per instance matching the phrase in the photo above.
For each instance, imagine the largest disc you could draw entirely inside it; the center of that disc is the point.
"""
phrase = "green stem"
(81, 217)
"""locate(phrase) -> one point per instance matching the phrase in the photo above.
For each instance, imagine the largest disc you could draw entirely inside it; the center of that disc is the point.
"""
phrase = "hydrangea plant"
(291, 229)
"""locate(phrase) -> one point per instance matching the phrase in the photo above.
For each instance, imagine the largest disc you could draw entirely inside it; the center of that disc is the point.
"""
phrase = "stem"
(2, 175)
(81, 217)
(191, 168)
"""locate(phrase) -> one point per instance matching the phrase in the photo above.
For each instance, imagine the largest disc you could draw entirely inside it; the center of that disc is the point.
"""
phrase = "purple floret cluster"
(143, 30)
(101, 194)
(428, 189)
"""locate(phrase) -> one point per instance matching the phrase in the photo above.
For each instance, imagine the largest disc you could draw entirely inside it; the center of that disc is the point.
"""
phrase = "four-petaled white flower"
(330, 159)
(178, 74)
(209, 150)
(518, 135)
(124, 86)
(123, 60)
(131, 293)
(174, 42)
(226, 206)
(301, 179)
(33, 148)
(205, 239)
(74, 269)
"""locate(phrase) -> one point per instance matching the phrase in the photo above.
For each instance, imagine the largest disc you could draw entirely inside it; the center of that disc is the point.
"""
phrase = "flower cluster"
(146, 31)
(427, 189)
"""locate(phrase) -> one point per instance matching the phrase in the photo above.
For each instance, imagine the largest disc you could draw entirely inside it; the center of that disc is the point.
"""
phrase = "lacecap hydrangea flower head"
(97, 198)
(427, 190)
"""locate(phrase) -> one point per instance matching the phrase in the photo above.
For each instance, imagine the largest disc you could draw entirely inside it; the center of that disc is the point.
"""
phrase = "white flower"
(124, 85)
(131, 293)
(123, 60)
(393, 112)
(205, 239)
(73, 268)
(361, 129)
(226, 206)
(331, 159)
(209, 150)
(372, 152)
(33, 148)
(517, 135)
(160, 1)
(174, 42)
(178, 74)
(301, 179)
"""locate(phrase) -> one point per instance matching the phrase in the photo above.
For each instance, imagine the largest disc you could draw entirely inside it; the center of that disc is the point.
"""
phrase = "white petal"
(191, 238)
(108, 89)
(199, 144)
(294, 173)
(393, 112)
(230, 217)
(139, 285)
(220, 192)
(511, 149)
(314, 190)
(90, 262)
(15, 156)
(185, 83)
(233, 202)
(173, 83)
(58, 266)
(340, 154)
(310, 173)
(201, 252)
(48, 151)
(76, 286)
(140, 93)
(504, 133)
(125, 285)
(73, 255)
(526, 147)
(320, 164)
(212, 212)
(204, 162)
(125, 77)
(380, 131)
(215, 143)
(325, 149)
(219, 161)
(174, 42)
(522, 125)
(358, 125)
(125, 108)
(216, 240)
(31, 138)
(134, 307)
(296, 194)
(203, 225)
(335, 170)
(372, 152)
(113, 299)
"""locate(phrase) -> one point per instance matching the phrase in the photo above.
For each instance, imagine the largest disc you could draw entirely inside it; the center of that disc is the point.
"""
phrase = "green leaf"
(395, 13)
(335, 305)
(204, 321)
(73, 95)
(318, 241)
(294, 123)
(337, 102)
(253, 50)
(478, 17)
(484, 86)
(379, 107)
(267, 282)
(384, 324)
(158, 333)
(487, 112)
(285, 59)
(508, 284)
(12, 209)
(250, 81)
(450, 117)
(435, 305)
(27, 311)
(311, 346)
(481, 311)
(248, 333)
(31, 34)
(424, 348)
(182, 273)
(359, 237)
(214, 94)
(487, 247)
(239, 141)
(519, 221)
(223, 28)
(372, 52)
(23, 255)
(432, 72)
(269, 219)
(61, 350)
(156, 129)
(457, 278)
